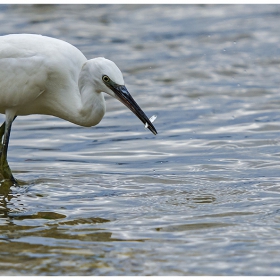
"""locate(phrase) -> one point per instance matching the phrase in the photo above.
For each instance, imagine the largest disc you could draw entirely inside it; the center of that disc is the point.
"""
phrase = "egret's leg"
(2, 131)
(4, 166)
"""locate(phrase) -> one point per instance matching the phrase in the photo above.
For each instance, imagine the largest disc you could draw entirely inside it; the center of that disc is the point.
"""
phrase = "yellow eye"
(105, 79)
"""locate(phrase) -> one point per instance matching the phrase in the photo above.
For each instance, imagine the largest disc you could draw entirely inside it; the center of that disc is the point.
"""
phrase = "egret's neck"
(92, 107)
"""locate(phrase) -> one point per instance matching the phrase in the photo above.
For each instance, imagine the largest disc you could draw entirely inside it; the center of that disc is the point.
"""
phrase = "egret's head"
(104, 71)
(108, 78)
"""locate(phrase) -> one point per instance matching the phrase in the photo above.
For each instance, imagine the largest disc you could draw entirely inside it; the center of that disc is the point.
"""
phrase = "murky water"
(200, 198)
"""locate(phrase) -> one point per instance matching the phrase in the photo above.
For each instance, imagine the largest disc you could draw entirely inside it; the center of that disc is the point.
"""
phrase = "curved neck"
(80, 105)
(92, 107)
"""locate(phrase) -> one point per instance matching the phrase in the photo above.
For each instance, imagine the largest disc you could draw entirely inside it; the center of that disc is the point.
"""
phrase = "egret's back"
(35, 68)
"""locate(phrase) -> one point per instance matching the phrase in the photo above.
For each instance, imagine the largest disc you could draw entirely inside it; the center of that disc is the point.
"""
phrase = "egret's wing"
(23, 76)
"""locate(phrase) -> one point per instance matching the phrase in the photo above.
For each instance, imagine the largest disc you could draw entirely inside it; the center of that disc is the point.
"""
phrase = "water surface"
(201, 197)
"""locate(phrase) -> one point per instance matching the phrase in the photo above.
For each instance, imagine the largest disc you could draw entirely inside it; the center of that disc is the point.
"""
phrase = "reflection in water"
(202, 198)
(197, 226)
(5, 187)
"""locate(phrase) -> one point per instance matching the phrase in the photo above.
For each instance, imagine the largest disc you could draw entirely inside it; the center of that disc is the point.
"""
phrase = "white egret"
(43, 75)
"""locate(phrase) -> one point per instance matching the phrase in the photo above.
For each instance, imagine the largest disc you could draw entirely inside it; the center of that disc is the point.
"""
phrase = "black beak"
(124, 96)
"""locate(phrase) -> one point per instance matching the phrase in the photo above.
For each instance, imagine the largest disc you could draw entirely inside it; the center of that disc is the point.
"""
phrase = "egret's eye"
(105, 79)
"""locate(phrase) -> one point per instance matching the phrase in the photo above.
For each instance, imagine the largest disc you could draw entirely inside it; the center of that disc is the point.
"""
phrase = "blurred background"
(201, 197)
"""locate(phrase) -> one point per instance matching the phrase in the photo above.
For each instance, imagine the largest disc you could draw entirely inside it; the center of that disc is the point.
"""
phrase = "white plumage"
(43, 75)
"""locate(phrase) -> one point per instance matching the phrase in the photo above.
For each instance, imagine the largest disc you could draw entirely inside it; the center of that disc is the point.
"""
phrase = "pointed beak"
(124, 96)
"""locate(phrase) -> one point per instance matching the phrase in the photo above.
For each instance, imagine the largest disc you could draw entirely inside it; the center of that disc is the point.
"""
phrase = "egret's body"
(43, 75)
(40, 76)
